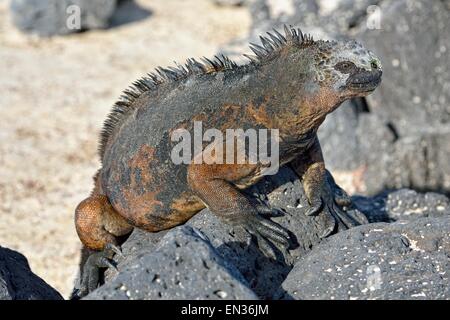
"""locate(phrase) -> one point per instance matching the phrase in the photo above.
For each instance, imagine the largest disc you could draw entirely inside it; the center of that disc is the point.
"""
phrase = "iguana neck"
(297, 104)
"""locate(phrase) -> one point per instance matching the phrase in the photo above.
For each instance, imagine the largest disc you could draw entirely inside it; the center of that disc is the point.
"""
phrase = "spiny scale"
(271, 45)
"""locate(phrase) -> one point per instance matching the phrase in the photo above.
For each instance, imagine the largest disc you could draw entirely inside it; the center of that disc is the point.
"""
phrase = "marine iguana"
(290, 84)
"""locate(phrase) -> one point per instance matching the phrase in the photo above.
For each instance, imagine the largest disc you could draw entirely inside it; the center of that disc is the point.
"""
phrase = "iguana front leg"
(215, 186)
(323, 194)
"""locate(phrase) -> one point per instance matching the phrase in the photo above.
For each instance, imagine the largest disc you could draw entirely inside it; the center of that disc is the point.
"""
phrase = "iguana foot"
(273, 240)
(333, 206)
(90, 276)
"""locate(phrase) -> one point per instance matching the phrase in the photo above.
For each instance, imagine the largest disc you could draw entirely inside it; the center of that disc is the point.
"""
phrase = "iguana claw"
(333, 206)
(269, 235)
(90, 276)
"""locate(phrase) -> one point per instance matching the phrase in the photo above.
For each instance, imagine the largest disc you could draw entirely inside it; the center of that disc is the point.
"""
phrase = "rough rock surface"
(324, 19)
(339, 130)
(285, 194)
(404, 204)
(414, 97)
(264, 275)
(18, 282)
(182, 266)
(413, 44)
(49, 17)
(402, 260)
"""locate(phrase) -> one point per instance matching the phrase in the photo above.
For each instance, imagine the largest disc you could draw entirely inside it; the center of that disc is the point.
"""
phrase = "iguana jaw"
(364, 81)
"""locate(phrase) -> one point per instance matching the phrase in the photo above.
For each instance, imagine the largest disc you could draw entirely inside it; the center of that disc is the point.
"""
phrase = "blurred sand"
(55, 94)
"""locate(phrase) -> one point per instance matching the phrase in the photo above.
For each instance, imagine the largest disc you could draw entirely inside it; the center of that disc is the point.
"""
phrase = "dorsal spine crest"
(268, 50)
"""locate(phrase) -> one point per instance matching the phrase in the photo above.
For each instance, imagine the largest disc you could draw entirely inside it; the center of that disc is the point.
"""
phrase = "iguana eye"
(374, 65)
(344, 66)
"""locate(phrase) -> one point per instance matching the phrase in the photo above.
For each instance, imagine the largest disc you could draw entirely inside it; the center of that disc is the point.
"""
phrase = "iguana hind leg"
(98, 225)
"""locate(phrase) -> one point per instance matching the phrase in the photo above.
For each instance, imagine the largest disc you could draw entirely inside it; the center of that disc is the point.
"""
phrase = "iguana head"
(341, 69)
(346, 67)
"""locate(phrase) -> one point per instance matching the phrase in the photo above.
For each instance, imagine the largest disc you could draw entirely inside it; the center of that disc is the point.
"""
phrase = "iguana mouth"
(364, 81)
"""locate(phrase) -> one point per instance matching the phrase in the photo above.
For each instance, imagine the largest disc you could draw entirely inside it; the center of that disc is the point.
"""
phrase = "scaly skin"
(291, 85)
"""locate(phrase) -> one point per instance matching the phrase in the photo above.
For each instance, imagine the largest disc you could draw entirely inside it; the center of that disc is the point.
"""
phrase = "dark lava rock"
(404, 204)
(340, 145)
(413, 101)
(323, 19)
(417, 160)
(402, 260)
(409, 205)
(286, 194)
(18, 282)
(413, 44)
(264, 275)
(55, 17)
(183, 265)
